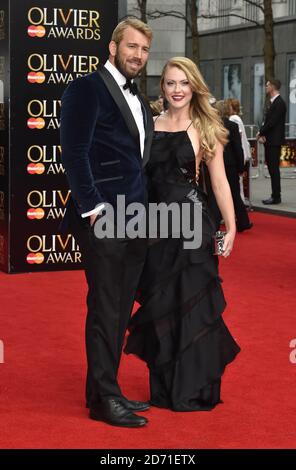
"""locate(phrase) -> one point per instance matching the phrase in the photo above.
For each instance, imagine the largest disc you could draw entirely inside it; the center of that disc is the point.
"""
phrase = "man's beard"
(120, 66)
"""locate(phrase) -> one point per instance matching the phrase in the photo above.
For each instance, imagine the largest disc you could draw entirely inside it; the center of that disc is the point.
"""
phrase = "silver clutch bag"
(219, 238)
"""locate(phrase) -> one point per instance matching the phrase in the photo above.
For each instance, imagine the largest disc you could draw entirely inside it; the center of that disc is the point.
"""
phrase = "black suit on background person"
(272, 134)
(104, 150)
(234, 165)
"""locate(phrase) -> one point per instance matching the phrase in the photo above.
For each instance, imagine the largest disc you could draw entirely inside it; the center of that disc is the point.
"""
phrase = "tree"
(194, 30)
(190, 18)
(268, 48)
(265, 6)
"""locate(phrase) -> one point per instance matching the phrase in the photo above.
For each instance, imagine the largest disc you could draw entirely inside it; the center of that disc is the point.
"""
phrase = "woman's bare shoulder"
(160, 121)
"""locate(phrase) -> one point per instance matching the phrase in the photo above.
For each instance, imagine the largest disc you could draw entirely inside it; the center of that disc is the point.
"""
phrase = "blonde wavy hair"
(204, 117)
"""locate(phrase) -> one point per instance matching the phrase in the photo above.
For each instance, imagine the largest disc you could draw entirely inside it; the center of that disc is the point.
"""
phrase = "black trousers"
(272, 157)
(241, 214)
(112, 268)
(242, 218)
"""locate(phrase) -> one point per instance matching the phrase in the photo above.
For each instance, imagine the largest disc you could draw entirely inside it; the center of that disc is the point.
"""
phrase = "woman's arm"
(223, 197)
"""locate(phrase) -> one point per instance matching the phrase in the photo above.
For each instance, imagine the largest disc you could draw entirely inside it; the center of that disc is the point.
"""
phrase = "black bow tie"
(132, 86)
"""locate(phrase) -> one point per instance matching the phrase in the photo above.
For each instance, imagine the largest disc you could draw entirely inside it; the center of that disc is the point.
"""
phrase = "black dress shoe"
(113, 412)
(241, 229)
(131, 405)
(134, 405)
(272, 200)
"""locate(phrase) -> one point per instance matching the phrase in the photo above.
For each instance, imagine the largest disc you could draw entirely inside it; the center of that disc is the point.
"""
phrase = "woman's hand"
(228, 243)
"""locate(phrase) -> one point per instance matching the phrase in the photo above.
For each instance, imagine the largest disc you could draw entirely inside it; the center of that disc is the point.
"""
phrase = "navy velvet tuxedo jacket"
(100, 142)
(273, 127)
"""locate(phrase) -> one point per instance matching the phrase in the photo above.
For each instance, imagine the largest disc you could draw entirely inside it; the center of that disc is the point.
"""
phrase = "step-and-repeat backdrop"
(43, 46)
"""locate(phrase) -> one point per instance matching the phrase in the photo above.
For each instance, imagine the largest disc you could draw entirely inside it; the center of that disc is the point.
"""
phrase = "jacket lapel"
(272, 105)
(149, 127)
(124, 108)
(120, 101)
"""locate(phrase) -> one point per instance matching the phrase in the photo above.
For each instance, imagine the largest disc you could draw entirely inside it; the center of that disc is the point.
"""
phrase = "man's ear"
(112, 48)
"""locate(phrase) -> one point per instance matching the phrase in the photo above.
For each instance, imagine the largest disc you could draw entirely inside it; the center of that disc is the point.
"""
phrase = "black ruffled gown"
(178, 329)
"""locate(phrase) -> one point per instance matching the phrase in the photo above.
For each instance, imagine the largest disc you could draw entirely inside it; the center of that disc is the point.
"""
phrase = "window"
(232, 81)
(207, 69)
(223, 9)
(292, 7)
(153, 88)
(259, 93)
(251, 12)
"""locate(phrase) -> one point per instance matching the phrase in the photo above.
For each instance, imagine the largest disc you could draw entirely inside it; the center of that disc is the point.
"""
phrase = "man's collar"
(118, 77)
(274, 97)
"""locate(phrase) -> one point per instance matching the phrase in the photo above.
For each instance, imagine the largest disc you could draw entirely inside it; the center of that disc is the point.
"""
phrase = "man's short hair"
(135, 23)
(275, 82)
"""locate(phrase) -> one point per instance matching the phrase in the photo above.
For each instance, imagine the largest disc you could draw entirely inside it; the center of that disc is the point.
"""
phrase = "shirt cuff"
(96, 210)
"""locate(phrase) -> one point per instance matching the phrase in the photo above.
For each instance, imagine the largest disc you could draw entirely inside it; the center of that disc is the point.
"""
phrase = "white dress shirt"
(136, 110)
(132, 100)
(273, 98)
(245, 143)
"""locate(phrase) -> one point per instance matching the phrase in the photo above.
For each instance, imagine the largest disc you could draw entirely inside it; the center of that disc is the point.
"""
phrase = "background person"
(234, 165)
(233, 111)
(272, 135)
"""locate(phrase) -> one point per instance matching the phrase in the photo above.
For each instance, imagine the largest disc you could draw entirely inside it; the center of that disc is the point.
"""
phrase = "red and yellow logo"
(35, 213)
(35, 123)
(35, 258)
(35, 168)
(36, 31)
(35, 77)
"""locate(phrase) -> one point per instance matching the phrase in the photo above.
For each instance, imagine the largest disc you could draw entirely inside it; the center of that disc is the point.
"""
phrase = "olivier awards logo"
(58, 68)
(52, 249)
(44, 114)
(45, 204)
(59, 23)
(44, 160)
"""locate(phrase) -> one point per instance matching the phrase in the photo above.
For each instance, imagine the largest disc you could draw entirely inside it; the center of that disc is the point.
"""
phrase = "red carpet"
(42, 378)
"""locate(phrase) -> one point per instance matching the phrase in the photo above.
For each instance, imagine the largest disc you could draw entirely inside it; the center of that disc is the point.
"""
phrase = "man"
(106, 133)
(272, 135)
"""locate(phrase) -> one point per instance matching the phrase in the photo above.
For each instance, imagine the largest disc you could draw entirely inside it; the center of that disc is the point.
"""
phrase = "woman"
(234, 165)
(233, 111)
(178, 330)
